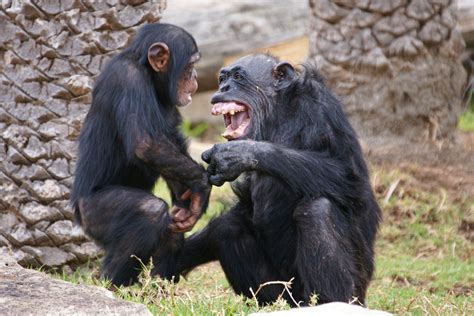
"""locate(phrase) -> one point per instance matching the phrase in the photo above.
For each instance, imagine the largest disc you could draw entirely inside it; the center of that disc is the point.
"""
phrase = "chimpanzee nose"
(224, 88)
(215, 97)
(218, 97)
(221, 95)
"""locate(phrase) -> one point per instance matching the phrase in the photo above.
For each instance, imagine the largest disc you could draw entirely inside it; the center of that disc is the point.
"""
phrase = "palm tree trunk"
(50, 53)
(394, 63)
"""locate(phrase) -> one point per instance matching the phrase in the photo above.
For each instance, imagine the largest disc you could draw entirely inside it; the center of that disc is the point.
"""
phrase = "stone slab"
(29, 292)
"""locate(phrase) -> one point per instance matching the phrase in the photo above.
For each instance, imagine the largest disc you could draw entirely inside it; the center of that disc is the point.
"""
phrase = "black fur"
(130, 137)
(305, 206)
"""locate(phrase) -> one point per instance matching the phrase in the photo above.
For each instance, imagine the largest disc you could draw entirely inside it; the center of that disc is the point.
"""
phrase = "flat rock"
(29, 292)
(330, 309)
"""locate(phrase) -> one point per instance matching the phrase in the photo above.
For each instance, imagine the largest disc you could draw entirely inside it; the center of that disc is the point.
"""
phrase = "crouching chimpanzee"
(305, 206)
(130, 137)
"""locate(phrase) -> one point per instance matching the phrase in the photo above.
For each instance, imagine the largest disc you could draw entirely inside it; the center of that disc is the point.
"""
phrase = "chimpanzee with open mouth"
(306, 210)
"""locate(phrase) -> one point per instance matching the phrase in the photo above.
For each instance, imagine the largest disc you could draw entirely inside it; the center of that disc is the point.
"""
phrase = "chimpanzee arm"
(171, 163)
(182, 175)
(148, 132)
(306, 172)
(176, 188)
(147, 136)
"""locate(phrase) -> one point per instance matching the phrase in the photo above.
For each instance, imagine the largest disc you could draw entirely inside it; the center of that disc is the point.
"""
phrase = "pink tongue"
(224, 107)
(237, 119)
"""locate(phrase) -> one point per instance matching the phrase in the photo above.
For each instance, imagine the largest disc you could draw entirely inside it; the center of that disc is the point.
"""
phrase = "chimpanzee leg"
(325, 265)
(230, 239)
(129, 224)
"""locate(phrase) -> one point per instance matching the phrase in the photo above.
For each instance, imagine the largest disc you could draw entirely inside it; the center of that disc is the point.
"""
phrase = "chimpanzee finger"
(173, 227)
(178, 228)
(217, 180)
(206, 155)
(180, 214)
(211, 168)
(182, 227)
(196, 204)
(186, 195)
(189, 223)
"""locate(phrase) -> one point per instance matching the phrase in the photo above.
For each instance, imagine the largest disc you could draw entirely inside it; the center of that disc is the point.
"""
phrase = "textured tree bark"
(225, 28)
(50, 53)
(394, 63)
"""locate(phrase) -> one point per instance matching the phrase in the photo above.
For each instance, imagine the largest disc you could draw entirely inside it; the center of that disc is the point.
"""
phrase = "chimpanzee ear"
(284, 74)
(158, 56)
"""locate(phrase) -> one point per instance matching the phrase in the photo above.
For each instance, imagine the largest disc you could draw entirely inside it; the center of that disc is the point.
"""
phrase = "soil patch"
(434, 167)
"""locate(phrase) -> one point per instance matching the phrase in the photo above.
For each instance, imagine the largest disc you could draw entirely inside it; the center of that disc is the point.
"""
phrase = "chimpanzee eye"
(221, 79)
(237, 76)
(189, 71)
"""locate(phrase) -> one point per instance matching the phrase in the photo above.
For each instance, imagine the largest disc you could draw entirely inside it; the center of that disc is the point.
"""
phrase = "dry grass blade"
(391, 189)
(286, 288)
(434, 310)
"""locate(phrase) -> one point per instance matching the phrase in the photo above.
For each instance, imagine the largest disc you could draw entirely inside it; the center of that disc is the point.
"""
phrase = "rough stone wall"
(50, 52)
(394, 63)
(223, 29)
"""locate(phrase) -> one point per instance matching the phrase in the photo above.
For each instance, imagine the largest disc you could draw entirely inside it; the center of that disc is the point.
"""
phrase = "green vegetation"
(466, 123)
(424, 256)
(194, 130)
(424, 260)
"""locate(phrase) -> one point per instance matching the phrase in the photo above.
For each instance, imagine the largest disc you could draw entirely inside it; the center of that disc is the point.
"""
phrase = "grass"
(424, 263)
(194, 130)
(466, 122)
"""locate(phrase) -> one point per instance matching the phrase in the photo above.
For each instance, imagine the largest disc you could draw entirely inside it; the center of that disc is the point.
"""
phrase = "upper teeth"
(227, 108)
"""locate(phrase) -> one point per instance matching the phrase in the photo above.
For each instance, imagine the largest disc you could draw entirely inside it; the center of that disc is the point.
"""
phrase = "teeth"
(227, 108)
(235, 133)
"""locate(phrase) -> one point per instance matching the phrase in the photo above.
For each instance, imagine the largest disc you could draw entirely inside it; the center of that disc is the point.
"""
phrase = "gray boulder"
(29, 292)
(330, 309)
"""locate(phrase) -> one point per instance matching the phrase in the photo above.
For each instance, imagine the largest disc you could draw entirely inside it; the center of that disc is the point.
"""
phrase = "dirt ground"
(435, 166)
(449, 167)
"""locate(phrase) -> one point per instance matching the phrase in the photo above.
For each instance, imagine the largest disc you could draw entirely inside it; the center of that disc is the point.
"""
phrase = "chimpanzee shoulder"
(308, 212)
(130, 138)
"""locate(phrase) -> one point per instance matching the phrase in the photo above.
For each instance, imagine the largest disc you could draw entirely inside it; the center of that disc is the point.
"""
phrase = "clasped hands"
(226, 161)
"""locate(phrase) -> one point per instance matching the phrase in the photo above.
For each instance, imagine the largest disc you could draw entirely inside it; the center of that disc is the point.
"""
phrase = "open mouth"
(236, 118)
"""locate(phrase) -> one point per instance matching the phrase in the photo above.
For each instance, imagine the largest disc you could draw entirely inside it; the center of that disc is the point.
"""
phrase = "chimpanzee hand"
(183, 218)
(228, 160)
(189, 207)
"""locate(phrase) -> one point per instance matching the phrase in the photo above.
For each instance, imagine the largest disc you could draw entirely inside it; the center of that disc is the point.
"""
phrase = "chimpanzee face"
(246, 92)
(187, 84)
(159, 55)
